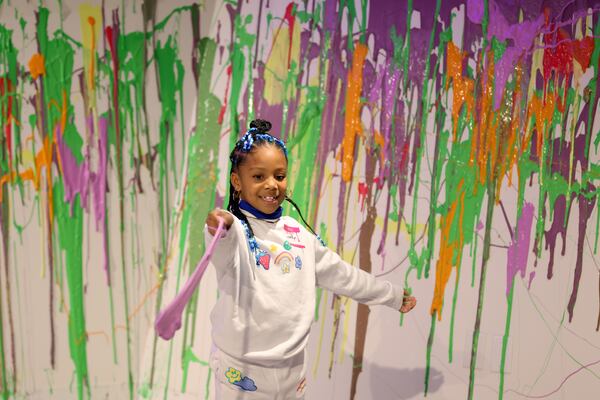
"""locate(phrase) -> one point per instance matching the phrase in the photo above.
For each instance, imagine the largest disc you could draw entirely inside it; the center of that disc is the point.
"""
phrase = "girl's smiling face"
(261, 178)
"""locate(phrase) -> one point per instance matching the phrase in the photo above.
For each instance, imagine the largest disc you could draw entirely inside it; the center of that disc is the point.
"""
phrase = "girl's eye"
(280, 177)
(257, 177)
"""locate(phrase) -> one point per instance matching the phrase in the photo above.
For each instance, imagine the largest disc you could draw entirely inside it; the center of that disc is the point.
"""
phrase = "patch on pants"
(235, 377)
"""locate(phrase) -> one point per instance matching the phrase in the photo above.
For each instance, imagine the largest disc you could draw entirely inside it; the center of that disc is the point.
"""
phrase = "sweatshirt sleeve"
(225, 248)
(336, 275)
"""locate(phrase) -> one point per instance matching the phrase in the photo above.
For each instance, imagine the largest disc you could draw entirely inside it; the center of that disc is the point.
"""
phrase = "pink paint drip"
(519, 248)
(169, 319)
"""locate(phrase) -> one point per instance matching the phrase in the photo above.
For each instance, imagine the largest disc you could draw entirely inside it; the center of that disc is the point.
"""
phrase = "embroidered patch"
(298, 262)
(292, 231)
(273, 249)
(235, 377)
(301, 388)
(286, 245)
(285, 260)
(264, 259)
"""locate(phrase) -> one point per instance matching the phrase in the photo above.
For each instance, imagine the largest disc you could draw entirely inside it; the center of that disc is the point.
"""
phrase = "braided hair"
(258, 135)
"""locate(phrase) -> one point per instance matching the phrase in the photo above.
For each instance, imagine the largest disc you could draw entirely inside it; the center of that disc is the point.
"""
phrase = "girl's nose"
(271, 183)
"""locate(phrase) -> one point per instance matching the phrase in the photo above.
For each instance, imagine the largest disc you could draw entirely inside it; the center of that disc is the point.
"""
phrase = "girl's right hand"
(212, 219)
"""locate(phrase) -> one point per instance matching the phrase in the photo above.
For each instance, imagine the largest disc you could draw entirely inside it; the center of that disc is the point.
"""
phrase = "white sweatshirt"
(264, 313)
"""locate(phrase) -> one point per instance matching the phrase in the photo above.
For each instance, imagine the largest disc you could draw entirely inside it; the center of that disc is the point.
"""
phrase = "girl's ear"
(235, 181)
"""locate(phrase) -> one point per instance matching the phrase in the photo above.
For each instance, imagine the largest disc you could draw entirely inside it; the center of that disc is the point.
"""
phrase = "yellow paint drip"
(276, 67)
(90, 17)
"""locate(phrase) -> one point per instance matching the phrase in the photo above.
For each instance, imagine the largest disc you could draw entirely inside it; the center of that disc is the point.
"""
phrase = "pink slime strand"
(169, 319)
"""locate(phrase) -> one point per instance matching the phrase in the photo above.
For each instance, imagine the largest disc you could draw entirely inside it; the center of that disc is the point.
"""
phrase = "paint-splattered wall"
(448, 146)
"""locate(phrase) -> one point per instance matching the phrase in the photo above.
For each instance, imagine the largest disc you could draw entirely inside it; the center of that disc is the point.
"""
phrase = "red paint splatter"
(224, 106)
(558, 56)
(6, 112)
(582, 51)
(362, 194)
(379, 182)
(404, 157)
(291, 20)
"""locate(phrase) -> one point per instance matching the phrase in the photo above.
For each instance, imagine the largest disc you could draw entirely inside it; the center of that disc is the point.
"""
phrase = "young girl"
(268, 267)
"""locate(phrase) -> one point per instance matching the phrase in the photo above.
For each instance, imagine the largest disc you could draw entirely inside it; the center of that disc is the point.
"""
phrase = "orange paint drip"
(352, 121)
(511, 153)
(43, 160)
(449, 247)
(36, 66)
(380, 141)
(542, 114)
(454, 59)
(462, 87)
(513, 145)
(476, 136)
(63, 112)
(487, 127)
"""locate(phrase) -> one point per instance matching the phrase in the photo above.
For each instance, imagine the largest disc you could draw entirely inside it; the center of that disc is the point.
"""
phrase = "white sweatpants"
(236, 380)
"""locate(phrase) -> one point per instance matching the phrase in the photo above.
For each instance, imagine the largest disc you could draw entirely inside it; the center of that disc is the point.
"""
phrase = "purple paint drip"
(518, 250)
(522, 35)
(80, 179)
(169, 319)
(390, 85)
(383, 16)
(75, 177)
(475, 11)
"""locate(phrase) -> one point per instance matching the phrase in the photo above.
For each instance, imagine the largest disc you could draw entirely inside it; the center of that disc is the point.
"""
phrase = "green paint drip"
(170, 81)
(428, 354)
(241, 40)
(202, 172)
(188, 358)
(118, 128)
(476, 236)
(491, 190)
(303, 148)
(8, 65)
(70, 228)
(416, 261)
(593, 85)
(453, 316)
(207, 386)
(509, 301)
(406, 49)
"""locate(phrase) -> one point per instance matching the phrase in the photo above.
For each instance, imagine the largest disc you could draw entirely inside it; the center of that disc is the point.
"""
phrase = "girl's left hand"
(408, 303)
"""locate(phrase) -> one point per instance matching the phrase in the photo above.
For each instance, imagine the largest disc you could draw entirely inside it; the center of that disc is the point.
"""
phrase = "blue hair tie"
(252, 137)
(247, 140)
